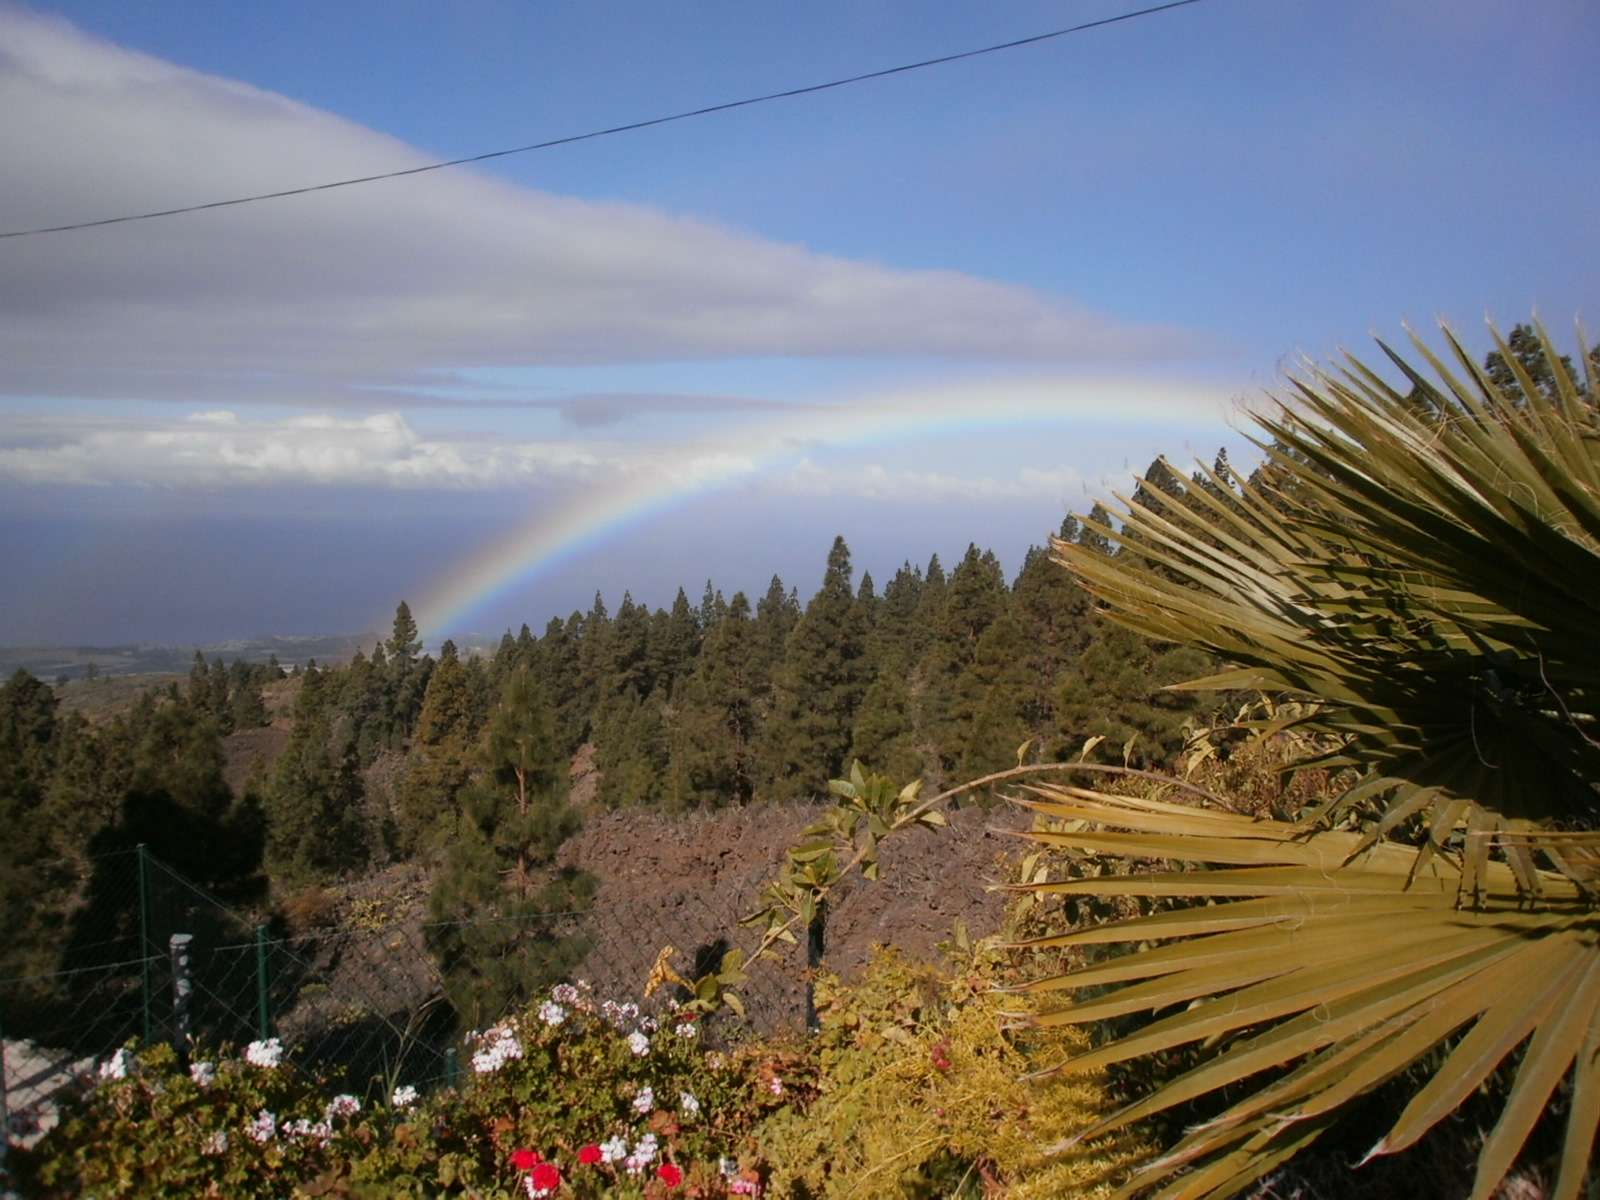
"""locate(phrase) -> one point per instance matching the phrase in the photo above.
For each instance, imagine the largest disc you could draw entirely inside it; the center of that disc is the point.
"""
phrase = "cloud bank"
(311, 300)
(217, 448)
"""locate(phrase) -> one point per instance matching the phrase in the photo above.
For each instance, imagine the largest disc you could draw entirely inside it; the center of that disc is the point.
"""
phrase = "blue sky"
(376, 383)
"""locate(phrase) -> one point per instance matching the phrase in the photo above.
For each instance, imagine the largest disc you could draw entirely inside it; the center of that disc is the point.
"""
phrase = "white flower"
(500, 1046)
(728, 1166)
(638, 1043)
(216, 1144)
(564, 993)
(685, 1029)
(203, 1073)
(304, 1128)
(118, 1066)
(552, 1013)
(688, 1104)
(613, 1151)
(775, 1086)
(644, 1153)
(645, 1101)
(268, 1053)
(343, 1105)
(264, 1128)
(649, 1024)
(404, 1096)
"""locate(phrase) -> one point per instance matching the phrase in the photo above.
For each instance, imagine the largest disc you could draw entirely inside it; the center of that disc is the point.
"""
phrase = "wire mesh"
(369, 1000)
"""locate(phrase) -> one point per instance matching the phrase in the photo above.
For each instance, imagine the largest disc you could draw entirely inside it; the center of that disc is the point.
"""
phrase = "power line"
(614, 129)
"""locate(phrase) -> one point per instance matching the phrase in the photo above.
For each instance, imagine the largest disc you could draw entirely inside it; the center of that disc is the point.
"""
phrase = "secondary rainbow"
(560, 531)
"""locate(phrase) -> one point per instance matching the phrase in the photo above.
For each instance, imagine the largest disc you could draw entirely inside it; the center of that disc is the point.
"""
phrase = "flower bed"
(911, 1089)
(576, 1097)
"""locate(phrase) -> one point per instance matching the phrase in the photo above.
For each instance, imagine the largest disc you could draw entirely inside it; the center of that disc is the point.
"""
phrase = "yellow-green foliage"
(920, 1095)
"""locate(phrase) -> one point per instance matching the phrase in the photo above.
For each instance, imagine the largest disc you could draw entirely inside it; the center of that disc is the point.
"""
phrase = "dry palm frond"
(1333, 976)
(1426, 565)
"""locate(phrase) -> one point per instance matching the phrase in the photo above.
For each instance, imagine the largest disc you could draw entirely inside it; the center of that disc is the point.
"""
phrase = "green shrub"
(918, 1095)
(568, 1080)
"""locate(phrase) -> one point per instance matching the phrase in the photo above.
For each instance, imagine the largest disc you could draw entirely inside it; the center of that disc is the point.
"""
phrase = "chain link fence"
(152, 956)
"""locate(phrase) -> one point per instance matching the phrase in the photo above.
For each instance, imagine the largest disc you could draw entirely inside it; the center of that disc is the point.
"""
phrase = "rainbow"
(558, 533)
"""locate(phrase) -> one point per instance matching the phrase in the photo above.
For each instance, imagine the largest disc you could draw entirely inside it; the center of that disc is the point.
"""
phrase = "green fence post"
(452, 1068)
(5, 1111)
(263, 1013)
(144, 934)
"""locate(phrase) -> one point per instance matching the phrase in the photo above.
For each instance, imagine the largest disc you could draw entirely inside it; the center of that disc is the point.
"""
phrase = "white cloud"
(218, 449)
(306, 300)
(874, 481)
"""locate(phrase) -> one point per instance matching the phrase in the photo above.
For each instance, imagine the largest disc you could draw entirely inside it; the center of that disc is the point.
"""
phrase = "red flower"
(589, 1154)
(525, 1160)
(545, 1179)
(669, 1175)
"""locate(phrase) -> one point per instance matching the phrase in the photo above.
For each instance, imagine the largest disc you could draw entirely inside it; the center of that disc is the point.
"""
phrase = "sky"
(940, 308)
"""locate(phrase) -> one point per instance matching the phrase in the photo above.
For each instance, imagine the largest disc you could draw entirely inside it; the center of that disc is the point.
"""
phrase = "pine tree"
(594, 654)
(973, 599)
(884, 736)
(1092, 538)
(631, 751)
(1056, 617)
(627, 663)
(247, 710)
(717, 715)
(674, 643)
(1115, 689)
(441, 757)
(996, 693)
(819, 688)
(199, 690)
(556, 671)
(404, 645)
(777, 613)
(712, 609)
(497, 881)
(315, 827)
(217, 701)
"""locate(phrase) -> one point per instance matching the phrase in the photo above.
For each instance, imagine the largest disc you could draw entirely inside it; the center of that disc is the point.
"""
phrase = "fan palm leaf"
(1421, 569)
(1425, 564)
(1335, 973)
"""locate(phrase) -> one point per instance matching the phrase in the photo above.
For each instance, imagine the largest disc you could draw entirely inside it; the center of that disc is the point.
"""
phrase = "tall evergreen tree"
(315, 827)
(973, 599)
(404, 644)
(441, 757)
(495, 946)
(884, 734)
(1056, 617)
(819, 688)
(718, 713)
(674, 642)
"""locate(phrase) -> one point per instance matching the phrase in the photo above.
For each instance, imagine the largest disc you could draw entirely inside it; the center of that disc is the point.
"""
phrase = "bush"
(570, 1080)
(918, 1094)
(909, 1090)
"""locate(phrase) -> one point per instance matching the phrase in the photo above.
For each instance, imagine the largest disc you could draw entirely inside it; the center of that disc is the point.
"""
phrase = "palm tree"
(1420, 569)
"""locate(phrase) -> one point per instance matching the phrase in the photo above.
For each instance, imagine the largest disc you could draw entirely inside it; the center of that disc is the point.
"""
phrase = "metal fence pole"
(5, 1109)
(182, 989)
(144, 934)
(452, 1067)
(263, 1012)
